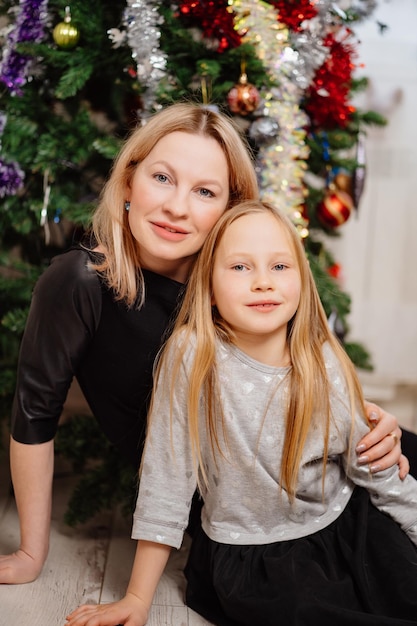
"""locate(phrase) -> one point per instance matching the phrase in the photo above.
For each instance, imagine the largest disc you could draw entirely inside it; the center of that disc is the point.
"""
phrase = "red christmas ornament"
(335, 270)
(335, 208)
(243, 98)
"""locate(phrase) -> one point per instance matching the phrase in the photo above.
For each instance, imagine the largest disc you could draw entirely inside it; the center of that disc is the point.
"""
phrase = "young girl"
(257, 403)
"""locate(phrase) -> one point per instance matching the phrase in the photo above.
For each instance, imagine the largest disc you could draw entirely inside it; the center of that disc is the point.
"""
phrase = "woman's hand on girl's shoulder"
(381, 447)
(130, 611)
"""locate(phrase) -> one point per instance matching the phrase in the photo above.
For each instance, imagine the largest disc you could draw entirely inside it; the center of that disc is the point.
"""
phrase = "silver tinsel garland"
(142, 22)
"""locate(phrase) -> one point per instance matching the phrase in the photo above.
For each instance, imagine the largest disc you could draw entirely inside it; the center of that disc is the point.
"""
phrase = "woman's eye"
(162, 178)
(206, 193)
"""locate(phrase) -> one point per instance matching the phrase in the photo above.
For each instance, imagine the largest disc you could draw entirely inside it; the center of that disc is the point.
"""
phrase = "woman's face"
(177, 194)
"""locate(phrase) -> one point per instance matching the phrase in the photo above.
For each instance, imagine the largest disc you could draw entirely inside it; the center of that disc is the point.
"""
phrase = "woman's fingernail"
(375, 468)
(360, 448)
(373, 416)
(363, 459)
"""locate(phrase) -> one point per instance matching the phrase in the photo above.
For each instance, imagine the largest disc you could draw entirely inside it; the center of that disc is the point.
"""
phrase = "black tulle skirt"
(360, 570)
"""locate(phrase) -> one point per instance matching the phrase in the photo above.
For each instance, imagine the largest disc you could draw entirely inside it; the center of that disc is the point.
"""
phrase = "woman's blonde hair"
(198, 321)
(110, 227)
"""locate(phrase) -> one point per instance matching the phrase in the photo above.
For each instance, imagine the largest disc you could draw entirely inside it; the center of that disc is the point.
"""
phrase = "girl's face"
(177, 194)
(257, 285)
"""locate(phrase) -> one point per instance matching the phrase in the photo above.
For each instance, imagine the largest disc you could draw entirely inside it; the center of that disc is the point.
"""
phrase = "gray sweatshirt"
(243, 503)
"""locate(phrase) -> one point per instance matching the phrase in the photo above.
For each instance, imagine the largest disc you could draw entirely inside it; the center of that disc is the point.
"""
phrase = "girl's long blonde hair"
(307, 331)
(110, 228)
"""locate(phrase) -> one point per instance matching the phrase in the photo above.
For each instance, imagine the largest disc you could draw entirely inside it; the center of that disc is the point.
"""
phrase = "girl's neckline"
(254, 363)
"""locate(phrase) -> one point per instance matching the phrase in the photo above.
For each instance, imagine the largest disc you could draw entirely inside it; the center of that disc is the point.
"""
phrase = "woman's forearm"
(32, 472)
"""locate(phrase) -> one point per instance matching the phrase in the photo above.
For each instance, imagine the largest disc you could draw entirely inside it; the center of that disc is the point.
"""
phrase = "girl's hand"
(18, 568)
(381, 447)
(130, 611)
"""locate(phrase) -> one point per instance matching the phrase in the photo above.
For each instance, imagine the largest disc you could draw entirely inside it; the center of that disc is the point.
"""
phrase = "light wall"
(378, 246)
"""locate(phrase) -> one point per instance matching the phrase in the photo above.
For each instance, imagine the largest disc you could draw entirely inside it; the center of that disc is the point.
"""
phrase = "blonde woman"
(99, 312)
(257, 404)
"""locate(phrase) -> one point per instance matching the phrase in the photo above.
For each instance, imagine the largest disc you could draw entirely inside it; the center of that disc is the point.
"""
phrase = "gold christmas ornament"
(343, 182)
(65, 34)
(243, 98)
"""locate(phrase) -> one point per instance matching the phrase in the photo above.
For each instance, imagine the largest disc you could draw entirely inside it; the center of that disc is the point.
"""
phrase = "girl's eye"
(206, 193)
(239, 267)
(279, 267)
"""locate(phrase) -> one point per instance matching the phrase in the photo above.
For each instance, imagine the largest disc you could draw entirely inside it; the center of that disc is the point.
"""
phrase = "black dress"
(409, 446)
(359, 571)
(76, 328)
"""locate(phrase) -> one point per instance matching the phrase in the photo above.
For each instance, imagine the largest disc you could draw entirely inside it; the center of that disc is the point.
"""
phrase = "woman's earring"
(127, 205)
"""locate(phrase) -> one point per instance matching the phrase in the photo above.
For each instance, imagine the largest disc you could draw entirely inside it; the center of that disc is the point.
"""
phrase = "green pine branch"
(105, 478)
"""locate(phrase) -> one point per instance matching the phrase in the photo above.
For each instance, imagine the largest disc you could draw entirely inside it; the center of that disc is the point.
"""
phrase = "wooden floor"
(87, 564)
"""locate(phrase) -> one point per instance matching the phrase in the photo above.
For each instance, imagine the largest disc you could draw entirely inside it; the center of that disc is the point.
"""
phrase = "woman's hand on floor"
(18, 568)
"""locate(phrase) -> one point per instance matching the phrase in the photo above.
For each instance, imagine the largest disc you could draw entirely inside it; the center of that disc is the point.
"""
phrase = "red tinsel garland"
(293, 12)
(327, 99)
(214, 19)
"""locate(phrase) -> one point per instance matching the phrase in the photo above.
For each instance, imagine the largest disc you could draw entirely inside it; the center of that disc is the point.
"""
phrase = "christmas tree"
(75, 79)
